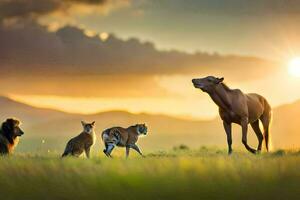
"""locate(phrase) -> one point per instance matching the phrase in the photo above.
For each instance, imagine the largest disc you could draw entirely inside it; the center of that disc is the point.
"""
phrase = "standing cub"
(81, 143)
(123, 137)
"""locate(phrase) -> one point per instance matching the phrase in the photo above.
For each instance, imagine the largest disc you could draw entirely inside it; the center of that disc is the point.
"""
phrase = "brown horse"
(237, 107)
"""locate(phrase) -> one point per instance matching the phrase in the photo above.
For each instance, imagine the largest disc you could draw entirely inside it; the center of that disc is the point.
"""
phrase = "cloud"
(22, 8)
(28, 53)
(31, 47)
(36, 8)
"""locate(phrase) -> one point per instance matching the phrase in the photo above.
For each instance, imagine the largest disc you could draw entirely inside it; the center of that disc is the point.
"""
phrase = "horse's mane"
(225, 87)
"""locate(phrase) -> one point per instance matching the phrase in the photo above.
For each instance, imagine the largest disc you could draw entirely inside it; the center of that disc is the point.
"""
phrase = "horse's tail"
(266, 119)
(267, 137)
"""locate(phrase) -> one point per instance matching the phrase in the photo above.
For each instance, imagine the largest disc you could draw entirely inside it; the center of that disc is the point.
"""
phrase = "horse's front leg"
(244, 124)
(227, 127)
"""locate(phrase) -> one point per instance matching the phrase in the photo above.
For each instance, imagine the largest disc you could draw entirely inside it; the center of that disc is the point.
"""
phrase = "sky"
(206, 25)
(88, 56)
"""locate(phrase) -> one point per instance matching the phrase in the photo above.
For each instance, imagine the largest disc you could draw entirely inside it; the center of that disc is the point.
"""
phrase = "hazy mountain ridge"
(28, 114)
(164, 131)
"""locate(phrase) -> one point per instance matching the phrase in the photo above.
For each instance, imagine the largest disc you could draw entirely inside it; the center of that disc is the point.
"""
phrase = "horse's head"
(207, 84)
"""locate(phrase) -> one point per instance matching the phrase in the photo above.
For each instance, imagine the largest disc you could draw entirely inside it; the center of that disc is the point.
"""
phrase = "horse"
(239, 108)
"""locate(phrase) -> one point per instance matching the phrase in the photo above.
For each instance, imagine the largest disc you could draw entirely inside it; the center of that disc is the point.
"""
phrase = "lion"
(123, 137)
(9, 135)
(81, 143)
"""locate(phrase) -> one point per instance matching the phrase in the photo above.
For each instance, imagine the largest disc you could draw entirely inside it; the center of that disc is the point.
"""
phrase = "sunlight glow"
(294, 67)
(103, 36)
(89, 33)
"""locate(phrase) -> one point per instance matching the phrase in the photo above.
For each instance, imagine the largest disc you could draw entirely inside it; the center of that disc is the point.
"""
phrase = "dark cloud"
(35, 8)
(26, 8)
(41, 62)
(30, 47)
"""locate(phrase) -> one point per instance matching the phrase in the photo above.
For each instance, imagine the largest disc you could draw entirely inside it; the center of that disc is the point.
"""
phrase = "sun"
(294, 67)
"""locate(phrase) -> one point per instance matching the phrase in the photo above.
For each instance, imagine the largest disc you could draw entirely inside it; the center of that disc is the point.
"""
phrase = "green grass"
(178, 174)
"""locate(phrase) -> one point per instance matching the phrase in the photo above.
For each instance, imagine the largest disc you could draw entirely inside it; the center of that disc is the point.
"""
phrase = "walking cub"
(81, 143)
(123, 137)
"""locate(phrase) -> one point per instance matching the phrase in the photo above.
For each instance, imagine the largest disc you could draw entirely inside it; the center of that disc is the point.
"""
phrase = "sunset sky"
(88, 56)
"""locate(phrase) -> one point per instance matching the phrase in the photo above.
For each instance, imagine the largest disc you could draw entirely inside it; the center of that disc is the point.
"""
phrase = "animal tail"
(266, 120)
(267, 138)
(67, 151)
(64, 154)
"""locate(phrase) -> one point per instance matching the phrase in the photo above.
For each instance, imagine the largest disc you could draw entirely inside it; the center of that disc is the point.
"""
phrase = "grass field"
(177, 174)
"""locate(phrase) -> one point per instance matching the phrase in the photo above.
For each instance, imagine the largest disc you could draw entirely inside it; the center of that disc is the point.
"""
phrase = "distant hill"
(55, 127)
(30, 115)
(286, 125)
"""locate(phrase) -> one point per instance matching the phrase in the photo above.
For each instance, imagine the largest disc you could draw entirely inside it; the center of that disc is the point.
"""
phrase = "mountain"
(29, 114)
(286, 125)
(48, 129)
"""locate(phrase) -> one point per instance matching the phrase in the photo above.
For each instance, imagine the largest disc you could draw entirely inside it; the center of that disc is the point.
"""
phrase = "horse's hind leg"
(244, 124)
(266, 120)
(260, 137)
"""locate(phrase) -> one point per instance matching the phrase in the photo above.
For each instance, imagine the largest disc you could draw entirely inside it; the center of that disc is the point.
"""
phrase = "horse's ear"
(220, 80)
(93, 123)
(83, 123)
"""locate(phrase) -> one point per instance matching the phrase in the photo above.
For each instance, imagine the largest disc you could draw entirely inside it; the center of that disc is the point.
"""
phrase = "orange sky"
(185, 102)
(140, 56)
